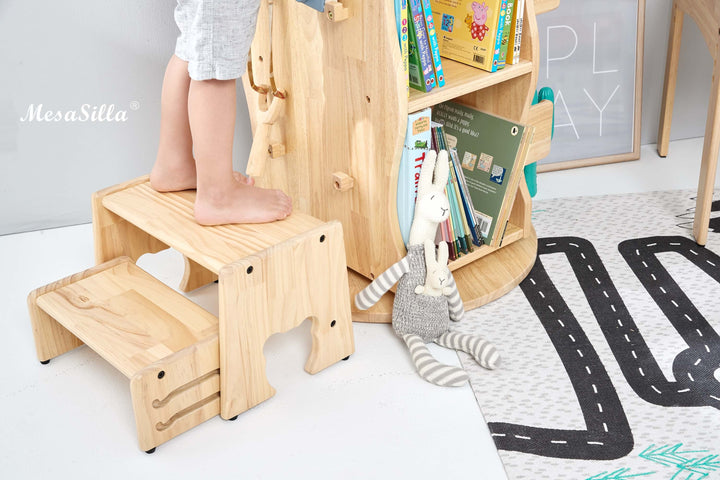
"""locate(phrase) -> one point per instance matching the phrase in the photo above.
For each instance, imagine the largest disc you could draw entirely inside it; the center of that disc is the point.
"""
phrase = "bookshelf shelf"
(461, 79)
(513, 233)
(345, 116)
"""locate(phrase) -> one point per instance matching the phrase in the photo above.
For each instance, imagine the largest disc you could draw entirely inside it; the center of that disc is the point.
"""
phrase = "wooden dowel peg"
(336, 11)
(342, 181)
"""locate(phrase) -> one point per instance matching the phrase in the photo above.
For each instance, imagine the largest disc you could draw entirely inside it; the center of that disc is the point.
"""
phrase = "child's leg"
(220, 198)
(174, 167)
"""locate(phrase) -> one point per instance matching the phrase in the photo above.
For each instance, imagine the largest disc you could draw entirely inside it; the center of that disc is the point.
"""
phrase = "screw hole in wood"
(322, 238)
(161, 374)
(249, 270)
(332, 324)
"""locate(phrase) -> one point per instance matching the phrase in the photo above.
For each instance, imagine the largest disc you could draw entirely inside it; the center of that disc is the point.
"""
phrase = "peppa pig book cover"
(470, 31)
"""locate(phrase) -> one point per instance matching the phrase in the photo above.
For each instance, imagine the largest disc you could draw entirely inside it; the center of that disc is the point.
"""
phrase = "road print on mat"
(609, 434)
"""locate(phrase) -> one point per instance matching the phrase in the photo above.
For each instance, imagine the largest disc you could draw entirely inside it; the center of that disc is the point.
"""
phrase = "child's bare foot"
(170, 175)
(241, 203)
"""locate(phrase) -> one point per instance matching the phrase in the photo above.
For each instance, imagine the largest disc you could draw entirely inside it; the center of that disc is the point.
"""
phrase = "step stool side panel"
(332, 330)
(243, 330)
(51, 338)
(176, 393)
(113, 236)
(273, 292)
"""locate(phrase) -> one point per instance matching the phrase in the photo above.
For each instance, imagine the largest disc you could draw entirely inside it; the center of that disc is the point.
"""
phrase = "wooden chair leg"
(708, 167)
(671, 69)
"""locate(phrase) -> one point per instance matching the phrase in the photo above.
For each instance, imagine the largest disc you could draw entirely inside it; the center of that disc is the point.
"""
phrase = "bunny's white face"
(438, 277)
(434, 207)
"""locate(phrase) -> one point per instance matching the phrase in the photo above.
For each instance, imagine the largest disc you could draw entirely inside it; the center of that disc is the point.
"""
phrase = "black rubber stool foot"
(232, 419)
(346, 358)
(45, 362)
(152, 450)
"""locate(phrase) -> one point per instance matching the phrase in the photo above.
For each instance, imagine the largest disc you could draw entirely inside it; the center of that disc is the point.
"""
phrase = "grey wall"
(66, 54)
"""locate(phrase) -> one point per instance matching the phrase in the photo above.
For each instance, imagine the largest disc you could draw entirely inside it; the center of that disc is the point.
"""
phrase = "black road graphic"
(693, 368)
(608, 435)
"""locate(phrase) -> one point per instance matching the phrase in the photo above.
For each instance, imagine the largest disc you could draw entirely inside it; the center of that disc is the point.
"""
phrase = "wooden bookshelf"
(462, 79)
(345, 116)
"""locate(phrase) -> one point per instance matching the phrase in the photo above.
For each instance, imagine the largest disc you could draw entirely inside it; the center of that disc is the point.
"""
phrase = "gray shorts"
(215, 36)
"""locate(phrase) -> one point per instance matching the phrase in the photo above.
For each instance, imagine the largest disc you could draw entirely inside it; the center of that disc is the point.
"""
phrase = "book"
(498, 37)
(467, 200)
(469, 31)
(492, 153)
(516, 33)
(472, 233)
(505, 42)
(433, 42)
(417, 143)
(423, 76)
(401, 18)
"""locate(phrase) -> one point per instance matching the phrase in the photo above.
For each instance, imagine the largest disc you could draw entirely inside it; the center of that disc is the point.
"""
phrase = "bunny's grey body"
(423, 315)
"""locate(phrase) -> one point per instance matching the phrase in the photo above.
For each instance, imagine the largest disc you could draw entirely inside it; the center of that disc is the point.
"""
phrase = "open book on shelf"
(487, 156)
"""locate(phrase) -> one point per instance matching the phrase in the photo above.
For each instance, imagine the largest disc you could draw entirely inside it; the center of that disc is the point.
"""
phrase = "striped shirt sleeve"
(455, 303)
(371, 294)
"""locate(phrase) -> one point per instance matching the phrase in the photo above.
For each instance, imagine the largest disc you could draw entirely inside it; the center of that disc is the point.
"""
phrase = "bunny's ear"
(429, 251)
(425, 182)
(442, 170)
(442, 254)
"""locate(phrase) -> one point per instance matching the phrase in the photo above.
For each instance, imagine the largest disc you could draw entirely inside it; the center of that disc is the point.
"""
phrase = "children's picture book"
(422, 72)
(417, 144)
(516, 33)
(470, 30)
(492, 153)
(505, 41)
(432, 40)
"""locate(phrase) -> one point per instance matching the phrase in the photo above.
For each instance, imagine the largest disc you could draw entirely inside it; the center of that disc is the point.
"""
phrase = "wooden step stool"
(185, 365)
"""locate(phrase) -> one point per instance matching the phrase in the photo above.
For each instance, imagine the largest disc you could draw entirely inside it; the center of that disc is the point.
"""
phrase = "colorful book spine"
(516, 33)
(498, 36)
(507, 28)
(417, 20)
(415, 78)
(402, 24)
(433, 41)
(467, 200)
(467, 241)
(416, 146)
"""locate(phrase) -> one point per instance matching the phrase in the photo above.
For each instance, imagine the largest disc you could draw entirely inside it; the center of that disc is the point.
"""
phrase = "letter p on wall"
(564, 38)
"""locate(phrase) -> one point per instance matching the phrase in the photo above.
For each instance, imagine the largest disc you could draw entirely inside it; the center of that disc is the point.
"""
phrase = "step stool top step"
(169, 218)
(128, 317)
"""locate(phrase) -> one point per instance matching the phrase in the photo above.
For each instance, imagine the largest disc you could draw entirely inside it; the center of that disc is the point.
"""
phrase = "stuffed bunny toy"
(437, 272)
(419, 318)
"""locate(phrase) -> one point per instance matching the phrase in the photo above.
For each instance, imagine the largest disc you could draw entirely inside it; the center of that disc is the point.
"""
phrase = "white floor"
(369, 417)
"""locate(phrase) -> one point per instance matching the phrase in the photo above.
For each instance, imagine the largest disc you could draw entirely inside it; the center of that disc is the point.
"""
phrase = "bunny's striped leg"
(482, 350)
(429, 368)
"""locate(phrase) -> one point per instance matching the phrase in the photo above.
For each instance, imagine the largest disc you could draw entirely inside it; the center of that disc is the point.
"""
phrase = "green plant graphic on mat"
(688, 464)
(620, 474)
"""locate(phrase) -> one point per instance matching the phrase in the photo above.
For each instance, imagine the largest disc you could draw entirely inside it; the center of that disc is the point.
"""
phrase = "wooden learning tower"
(328, 102)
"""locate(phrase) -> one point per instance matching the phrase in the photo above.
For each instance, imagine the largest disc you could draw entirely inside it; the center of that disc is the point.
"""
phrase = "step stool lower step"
(164, 343)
